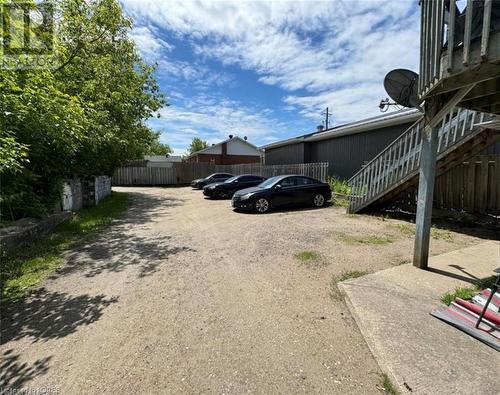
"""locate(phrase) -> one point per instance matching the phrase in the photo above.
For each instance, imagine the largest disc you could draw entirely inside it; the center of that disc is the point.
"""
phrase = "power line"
(327, 114)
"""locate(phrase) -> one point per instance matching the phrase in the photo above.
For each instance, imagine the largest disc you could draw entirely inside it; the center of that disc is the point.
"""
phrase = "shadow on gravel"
(118, 247)
(14, 374)
(146, 207)
(48, 315)
(116, 251)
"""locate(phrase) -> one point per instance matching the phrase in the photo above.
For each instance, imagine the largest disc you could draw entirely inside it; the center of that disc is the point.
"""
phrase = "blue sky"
(267, 69)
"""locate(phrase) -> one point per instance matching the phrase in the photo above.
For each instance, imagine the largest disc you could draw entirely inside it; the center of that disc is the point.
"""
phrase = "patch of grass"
(406, 229)
(340, 201)
(467, 292)
(24, 270)
(366, 239)
(334, 289)
(387, 386)
(339, 186)
(306, 256)
(351, 274)
(436, 234)
(440, 234)
(463, 293)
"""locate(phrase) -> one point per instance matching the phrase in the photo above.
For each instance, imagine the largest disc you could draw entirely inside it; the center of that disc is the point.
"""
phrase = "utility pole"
(326, 113)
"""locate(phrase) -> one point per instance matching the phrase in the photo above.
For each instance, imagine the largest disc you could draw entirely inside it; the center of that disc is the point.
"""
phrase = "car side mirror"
(277, 187)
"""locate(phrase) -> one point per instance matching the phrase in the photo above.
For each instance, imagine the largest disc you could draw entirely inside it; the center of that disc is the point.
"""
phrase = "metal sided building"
(347, 147)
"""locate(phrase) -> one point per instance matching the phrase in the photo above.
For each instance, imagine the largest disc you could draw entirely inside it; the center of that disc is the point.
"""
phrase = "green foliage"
(157, 148)
(440, 234)
(463, 293)
(196, 145)
(436, 234)
(387, 386)
(13, 155)
(468, 292)
(368, 239)
(86, 117)
(28, 267)
(307, 256)
(339, 186)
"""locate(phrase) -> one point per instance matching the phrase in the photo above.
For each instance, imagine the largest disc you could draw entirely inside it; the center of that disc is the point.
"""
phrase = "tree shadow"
(146, 207)
(117, 251)
(120, 246)
(14, 374)
(481, 226)
(50, 315)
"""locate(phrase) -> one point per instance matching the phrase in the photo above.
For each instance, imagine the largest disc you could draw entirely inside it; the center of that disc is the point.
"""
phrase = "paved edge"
(468, 256)
(381, 361)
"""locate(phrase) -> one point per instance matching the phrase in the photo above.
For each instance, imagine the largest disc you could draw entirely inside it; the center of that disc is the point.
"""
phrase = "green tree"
(85, 117)
(196, 145)
(158, 148)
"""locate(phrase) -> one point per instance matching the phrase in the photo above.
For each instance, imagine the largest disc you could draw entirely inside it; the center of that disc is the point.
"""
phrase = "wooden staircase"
(462, 134)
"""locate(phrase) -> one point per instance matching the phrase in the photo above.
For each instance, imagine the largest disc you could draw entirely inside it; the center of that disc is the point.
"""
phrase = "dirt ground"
(183, 295)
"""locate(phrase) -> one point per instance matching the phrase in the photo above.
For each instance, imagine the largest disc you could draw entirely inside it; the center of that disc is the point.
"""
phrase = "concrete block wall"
(102, 188)
(85, 192)
(72, 195)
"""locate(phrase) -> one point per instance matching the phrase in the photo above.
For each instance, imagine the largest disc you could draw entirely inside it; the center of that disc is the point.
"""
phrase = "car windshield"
(269, 182)
(231, 179)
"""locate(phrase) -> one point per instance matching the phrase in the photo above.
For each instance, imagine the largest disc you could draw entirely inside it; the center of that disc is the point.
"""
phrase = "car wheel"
(262, 205)
(223, 194)
(319, 200)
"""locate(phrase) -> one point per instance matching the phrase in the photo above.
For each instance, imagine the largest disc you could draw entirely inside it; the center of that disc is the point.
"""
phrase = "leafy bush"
(339, 186)
(84, 118)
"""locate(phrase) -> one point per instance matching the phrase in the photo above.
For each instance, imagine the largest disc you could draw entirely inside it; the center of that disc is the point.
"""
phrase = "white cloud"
(148, 42)
(213, 118)
(322, 53)
(195, 73)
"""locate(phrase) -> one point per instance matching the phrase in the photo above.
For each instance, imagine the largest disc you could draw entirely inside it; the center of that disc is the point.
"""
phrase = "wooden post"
(435, 113)
(427, 177)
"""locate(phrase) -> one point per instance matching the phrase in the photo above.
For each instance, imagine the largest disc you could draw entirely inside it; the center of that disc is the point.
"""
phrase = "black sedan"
(283, 191)
(227, 188)
(216, 177)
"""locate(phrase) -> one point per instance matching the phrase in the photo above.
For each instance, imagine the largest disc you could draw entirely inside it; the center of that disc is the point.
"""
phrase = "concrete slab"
(421, 354)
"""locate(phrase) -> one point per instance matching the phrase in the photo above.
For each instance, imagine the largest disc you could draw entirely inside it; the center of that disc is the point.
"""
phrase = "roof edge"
(395, 118)
(222, 142)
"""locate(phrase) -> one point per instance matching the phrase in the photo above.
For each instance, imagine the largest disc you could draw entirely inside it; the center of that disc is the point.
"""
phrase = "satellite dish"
(401, 85)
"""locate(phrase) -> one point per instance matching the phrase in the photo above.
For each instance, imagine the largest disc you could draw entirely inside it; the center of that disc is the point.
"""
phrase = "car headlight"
(211, 187)
(245, 196)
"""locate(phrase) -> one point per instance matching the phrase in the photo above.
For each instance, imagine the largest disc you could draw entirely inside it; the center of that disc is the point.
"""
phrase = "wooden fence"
(473, 186)
(183, 173)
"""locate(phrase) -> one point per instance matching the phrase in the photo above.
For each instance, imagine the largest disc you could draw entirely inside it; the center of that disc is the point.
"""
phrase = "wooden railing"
(439, 25)
(400, 161)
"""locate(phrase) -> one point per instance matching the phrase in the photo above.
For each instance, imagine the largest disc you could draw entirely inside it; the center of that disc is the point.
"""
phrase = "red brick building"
(234, 150)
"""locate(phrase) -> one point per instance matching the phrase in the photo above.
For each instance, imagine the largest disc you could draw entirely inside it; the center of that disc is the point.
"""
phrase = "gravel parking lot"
(184, 295)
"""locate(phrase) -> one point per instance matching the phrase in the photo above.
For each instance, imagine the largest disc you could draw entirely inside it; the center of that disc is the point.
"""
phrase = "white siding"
(238, 147)
(216, 149)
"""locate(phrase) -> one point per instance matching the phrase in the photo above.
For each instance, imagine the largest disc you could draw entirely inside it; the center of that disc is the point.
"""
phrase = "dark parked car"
(283, 191)
(216, 177)
(227, 188)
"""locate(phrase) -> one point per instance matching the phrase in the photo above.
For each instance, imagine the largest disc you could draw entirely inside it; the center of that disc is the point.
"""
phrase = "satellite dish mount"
(401, 85)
